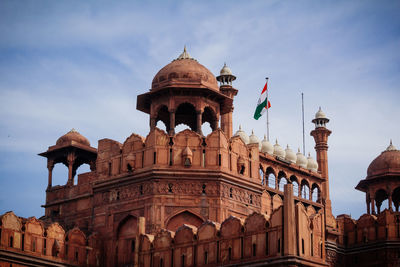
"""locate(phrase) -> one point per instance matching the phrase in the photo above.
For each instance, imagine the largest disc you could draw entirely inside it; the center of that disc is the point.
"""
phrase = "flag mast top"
(267, 113)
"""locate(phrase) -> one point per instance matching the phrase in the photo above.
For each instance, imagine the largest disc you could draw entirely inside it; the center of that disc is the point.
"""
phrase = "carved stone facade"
(185, 199)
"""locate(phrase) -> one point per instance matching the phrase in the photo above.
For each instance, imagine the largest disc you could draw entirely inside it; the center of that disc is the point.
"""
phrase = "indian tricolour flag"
(263, 103)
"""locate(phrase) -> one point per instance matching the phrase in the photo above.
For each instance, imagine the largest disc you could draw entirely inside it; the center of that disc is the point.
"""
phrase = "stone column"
(310, 195)
(152, 123)
(390, 201)
(70, 160)
(50, 166)
(172, 122)
(198, 121)
(373, 205)
(289, 223)
(368, 204)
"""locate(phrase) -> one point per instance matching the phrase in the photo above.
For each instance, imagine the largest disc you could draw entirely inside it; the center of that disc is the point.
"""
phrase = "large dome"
(388, 162)
(184, 72)
(72, 135)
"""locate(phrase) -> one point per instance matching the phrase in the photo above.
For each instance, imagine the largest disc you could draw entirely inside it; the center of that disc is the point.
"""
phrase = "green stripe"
(257, 113)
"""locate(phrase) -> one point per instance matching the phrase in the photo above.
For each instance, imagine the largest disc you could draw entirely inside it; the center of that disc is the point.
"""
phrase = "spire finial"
(391, 147)
(240, 127)
(185, 54)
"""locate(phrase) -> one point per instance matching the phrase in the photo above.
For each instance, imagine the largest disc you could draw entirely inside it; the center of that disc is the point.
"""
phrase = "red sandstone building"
(185, 199)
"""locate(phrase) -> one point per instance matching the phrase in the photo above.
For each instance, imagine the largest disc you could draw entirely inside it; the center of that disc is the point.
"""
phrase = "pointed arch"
(186, 114)
(183, 217)
(126, 240)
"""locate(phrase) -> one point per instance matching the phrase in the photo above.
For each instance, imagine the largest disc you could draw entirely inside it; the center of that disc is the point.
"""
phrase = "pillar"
(289, 223)
(198, 121)
(226, 124)
(390, 202)
(152, 123)
(50, 166)
(172, 122)
(368, 202)
(310, 194)
(70, 160)
(373, 205)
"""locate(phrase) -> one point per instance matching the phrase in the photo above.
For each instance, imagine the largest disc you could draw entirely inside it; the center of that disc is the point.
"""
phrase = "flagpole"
(267, 112)
(302, 112)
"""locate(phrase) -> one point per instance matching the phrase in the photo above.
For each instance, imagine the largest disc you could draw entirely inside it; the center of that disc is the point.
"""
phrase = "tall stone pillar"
(289, 223)
(198, 121)
(50, 166)
(70, 160)
(226, 124)
(171, 122)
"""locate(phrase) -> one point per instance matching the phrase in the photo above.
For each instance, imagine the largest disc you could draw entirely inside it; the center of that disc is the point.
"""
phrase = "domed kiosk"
(186, 92)
(72, 149)
(382, 181)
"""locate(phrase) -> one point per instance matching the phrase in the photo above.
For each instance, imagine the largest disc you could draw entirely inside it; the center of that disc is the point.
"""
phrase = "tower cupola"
(320, 119)
(226, 77)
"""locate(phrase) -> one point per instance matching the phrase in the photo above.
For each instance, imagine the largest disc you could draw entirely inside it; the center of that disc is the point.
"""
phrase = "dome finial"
(391, 147)
(184, 55)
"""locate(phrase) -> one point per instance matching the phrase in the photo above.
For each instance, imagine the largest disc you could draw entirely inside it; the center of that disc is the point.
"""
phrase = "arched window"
(186, 114)
(271, 179)
(316, 193)
(305, 189)
(381, 197)
(262, 176)
(295, 183)
(282, 182)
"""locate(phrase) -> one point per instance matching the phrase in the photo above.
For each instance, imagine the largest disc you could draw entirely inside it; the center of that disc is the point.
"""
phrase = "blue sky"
(81, 64)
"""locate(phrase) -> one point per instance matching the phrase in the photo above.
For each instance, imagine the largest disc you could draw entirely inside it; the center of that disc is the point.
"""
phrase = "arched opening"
(282, 180)
(60, 174)
(295, 183)
(83, 168)
(126, 240)
(210, 117)
(316, 193)
(396, 198)
(185, 217)
(381, 197)
(161, 125)
(163, 116)
(186, 114)
(206, 129)
(305, 189)
(262, 176)
(271, 178)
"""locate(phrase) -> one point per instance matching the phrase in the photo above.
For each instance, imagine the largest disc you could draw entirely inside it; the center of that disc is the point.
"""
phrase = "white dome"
(290, 155)
(320, 114)
(225, 70)
(253, 139)
(301, 160)
(266, 146)
(312, 165)
(278, 150)
(242, 135)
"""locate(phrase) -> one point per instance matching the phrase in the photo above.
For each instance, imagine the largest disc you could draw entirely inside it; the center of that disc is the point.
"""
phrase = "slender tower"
(321, 134)
(225, 86)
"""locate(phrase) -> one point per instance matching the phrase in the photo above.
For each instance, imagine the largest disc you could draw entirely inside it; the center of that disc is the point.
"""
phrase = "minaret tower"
(225, 80)
(321, 134)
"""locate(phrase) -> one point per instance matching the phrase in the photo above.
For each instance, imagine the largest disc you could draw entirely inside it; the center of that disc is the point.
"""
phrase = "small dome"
(278, 150)
(290, 155)
(266, 146)
(242, 135)
(72, 135)
(225, 70)
(312, 165)
(388, 162)
(320, 114)
(253, 139)
(301, 159)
